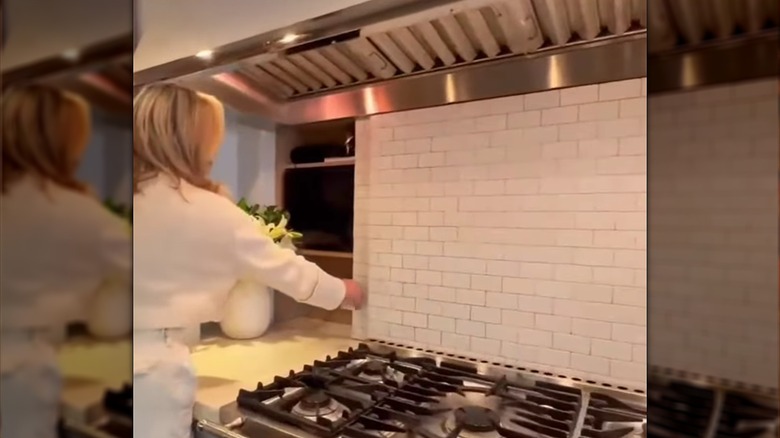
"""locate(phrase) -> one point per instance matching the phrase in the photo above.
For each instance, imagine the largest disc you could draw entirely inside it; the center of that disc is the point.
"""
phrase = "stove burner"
(315, 401)
(374, 368)
(476, 419)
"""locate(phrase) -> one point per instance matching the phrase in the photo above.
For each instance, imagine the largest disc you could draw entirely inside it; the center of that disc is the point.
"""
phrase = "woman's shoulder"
(164, 197)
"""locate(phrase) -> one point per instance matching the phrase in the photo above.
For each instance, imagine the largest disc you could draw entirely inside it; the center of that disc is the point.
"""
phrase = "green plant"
(272, 220)
(120, 210)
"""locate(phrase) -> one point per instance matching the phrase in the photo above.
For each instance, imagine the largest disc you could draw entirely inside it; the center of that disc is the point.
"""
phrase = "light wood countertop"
(223, 366)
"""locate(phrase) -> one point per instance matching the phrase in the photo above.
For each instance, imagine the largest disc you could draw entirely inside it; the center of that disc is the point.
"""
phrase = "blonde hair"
(41, 127)
(172, 127)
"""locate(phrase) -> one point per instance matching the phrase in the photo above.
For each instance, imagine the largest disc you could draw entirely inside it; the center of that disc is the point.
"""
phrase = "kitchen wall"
(713, 232)
(510, 229)
(107, 161)
(246, 162)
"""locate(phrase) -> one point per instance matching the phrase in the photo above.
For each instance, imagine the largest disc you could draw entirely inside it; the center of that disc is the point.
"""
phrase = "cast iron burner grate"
(119, 402)
(381, 394)
(455, 401)
(743, 417)
(608, 417)
(314, 402)
(681, 409)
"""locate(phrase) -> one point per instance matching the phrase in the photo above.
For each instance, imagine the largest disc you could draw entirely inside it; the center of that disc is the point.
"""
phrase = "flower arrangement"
(120, 210)
(272, 221)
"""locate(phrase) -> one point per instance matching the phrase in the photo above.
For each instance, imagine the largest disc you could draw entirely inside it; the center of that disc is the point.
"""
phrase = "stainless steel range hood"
(385, 55)
(396, 55)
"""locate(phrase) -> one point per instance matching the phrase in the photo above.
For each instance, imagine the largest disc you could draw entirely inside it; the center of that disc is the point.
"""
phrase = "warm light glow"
(289, 38)
(205, 54)
(71, 55)
(369, 101)
(555, 76)
(451, 91)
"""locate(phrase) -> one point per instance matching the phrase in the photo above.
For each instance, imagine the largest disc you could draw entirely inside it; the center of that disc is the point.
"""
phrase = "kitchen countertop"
(223, 366)
(90, 367)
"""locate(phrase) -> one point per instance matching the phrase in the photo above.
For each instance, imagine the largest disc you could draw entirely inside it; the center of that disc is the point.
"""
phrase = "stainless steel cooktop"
(378, 390)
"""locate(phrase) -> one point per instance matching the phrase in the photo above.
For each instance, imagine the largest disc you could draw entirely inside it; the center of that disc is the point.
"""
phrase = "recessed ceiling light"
(205, 54)
(289, 38)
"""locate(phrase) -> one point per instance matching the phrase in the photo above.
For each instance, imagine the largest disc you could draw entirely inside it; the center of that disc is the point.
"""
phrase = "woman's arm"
(259, 258)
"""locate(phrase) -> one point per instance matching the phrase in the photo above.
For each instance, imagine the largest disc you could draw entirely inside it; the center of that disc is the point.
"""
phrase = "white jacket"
(57, 248)
(191, 246)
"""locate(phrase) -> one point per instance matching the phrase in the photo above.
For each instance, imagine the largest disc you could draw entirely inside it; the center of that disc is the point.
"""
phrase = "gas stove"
(383, 391)
(695, 408)
(113, 420)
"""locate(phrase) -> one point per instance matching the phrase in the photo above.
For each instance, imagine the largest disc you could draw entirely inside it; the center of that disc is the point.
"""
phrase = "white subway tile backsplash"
(599, 111)
(468, 327)
(611, 349)
(525, 119)
(577, 95)
(572, 343)
(545, 99)
(706, 305)
(620, 90)
(512, 228)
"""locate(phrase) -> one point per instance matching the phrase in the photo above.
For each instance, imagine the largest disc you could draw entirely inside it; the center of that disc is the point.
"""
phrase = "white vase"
(109, 312)
(249, 311)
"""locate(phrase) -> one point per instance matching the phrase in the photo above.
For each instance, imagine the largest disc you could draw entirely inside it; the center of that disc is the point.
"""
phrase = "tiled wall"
(713, 231)
(511, 229)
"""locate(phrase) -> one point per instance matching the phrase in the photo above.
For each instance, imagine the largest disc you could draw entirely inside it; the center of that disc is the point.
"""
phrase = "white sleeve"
(281, 269)
(116, 247)
(224, 191)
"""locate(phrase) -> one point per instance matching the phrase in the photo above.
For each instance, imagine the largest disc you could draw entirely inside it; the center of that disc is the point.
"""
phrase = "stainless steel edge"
(207, 429)
(592, 63)
(716, 383)
(327, 26)
(496, 369)
(720, 62)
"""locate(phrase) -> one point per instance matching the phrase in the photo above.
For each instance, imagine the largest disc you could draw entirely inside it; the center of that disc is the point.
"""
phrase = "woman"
(191, 246)
(59, 245)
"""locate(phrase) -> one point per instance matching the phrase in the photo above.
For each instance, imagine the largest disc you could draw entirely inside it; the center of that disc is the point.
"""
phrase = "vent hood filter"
(465, 32)
(462, 33)
(676, 23)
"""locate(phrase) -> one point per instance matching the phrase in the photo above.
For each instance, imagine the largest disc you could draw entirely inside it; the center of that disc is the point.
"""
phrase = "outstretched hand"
(353, 299)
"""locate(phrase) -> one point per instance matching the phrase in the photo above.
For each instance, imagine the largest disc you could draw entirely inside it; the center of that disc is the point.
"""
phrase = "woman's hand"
(353, 299)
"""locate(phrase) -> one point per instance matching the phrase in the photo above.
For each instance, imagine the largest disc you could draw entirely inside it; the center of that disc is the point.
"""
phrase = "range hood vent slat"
(482, 32)
(267, 81)
(304, 64)
(391, 50)
(287, 66)
(274, 70)
(436, 42)
(317, 58)
(554, 20)
(414, 47)
(371, 58)
(455, 34)
(333, 54)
